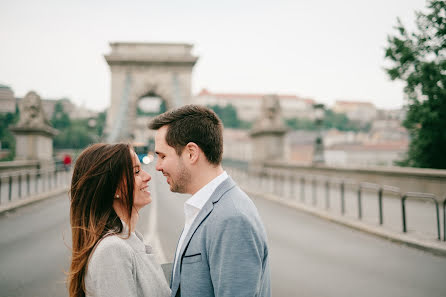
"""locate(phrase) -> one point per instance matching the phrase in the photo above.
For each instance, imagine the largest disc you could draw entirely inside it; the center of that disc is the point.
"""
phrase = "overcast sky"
(326, 50)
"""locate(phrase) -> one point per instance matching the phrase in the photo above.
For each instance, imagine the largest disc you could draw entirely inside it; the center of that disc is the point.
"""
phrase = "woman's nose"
(147, 177)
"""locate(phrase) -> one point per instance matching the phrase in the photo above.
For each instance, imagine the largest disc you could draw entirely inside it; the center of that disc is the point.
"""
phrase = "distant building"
(248, 106)
(381, 154)
(237, 145)
(356, 111)
(8, 103)
(299, 146)
(388, 130)
(7, 99)
(73, 111)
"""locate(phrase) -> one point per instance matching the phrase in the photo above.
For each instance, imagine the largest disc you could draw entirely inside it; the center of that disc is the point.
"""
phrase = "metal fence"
(22, 184)
(387, 206)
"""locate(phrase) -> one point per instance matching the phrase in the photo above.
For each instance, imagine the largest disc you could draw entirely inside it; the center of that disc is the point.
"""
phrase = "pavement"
(435, 247)
(32, 199)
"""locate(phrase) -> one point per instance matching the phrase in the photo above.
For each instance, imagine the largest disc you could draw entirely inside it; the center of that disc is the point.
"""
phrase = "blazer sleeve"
(236, 256)
(111, 270)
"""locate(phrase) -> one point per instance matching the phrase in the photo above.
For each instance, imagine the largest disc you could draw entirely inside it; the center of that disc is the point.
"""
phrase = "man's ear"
(192, 152)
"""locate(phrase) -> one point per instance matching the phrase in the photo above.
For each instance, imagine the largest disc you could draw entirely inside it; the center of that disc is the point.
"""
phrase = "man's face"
(170, 164)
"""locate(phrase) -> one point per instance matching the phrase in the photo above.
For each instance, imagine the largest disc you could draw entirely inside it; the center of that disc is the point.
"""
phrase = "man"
(223, 248)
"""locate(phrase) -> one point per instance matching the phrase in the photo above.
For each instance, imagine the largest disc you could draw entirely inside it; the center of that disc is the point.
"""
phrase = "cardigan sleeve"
(111, 270)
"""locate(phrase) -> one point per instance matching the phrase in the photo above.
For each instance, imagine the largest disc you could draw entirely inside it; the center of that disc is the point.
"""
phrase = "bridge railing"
(23, 184)
(372, 203)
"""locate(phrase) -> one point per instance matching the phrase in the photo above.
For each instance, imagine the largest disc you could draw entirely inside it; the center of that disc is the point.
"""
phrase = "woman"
(109, 258)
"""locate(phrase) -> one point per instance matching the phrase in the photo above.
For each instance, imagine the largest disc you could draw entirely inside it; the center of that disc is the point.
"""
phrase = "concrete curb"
(33, 199)
(436, 248)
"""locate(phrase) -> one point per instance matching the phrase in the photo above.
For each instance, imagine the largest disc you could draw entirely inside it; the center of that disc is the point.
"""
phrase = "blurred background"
(334, 108)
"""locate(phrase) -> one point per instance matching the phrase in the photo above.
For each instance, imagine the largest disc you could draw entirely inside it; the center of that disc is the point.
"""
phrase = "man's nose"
(158, 165)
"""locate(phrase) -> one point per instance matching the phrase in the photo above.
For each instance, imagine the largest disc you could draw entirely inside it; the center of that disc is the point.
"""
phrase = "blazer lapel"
(225, 186)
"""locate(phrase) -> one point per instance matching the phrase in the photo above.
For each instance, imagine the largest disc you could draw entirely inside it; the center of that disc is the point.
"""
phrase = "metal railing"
(414, 195)
(297, 187)
(17, 185)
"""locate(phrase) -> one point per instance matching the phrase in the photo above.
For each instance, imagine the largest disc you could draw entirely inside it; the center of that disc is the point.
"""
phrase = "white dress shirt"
(194, 204)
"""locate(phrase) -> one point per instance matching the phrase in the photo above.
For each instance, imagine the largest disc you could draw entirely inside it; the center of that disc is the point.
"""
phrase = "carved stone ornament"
(271, 116)
(31, 112)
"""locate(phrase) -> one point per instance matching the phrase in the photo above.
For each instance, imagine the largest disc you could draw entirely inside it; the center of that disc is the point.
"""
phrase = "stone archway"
(164, 69)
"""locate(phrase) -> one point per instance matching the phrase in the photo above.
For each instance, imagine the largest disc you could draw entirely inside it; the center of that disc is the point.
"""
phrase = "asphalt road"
(33, 252)
(313, 257)
(309, 256)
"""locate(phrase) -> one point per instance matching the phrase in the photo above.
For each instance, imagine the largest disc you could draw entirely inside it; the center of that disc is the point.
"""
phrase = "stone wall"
(406, 179)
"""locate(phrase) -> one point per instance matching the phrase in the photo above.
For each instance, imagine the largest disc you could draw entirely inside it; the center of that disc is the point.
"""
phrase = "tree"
(7, 140)
(229, 117)
(60, 119)
(419, 60)
(76, 136)
(332, 120)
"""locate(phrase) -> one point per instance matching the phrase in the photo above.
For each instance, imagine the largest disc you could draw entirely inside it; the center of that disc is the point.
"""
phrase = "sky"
(324, 50)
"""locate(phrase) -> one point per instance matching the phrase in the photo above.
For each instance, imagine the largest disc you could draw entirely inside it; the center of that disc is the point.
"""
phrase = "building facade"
(248, 106)
(363, 112)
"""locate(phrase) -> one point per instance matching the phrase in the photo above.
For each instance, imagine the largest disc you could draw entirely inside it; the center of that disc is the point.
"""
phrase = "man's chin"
(175, 189)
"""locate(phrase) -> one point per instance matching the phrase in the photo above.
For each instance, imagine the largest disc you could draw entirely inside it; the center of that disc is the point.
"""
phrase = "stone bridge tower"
(163, 70)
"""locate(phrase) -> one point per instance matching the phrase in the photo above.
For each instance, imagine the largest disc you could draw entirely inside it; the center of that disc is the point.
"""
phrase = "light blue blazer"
(225, 252)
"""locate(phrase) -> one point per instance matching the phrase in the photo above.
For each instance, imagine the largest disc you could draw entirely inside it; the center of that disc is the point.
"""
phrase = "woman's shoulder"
(110, 247)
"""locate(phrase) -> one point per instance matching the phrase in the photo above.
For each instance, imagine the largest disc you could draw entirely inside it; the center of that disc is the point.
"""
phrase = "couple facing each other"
(222, 250)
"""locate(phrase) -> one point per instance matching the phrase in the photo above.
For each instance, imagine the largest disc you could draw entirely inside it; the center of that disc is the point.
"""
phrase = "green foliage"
(332, 120)
(6, 138)
(229, 117)
(60, 119)
(419, 60)
(76, 136)
(341, 122)
(301, 124)
(100, 123)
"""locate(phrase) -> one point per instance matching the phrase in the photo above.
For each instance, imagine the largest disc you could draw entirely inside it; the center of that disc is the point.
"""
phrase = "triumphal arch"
(140, 70)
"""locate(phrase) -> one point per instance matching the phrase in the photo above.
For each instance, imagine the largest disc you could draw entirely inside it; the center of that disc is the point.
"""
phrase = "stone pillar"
(137, 69)
(33, 133)
(268, 132)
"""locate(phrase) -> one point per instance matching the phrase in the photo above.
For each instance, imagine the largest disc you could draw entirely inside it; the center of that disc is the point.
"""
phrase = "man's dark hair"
(193, 123)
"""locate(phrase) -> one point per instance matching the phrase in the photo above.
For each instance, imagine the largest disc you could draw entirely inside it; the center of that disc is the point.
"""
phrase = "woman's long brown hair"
(99, 172)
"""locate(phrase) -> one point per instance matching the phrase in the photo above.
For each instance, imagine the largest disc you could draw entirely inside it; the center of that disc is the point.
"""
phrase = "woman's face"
(141, 195)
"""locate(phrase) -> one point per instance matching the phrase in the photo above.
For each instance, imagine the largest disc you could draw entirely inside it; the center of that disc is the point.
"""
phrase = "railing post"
(48, 176)
(342, 198)
(10, 188)
(27, 183)
(327, 194)
(444, 219)
(438, 220)
(20, 185)
(359, 203)
(380, 205)
(302, 189)
(36, 178)
(314, 191)
(292, 180)
(1, 189)
(403, 209)
(423, 196)
(43, 181)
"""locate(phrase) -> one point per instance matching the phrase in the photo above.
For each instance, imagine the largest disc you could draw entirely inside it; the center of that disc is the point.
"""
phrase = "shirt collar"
(199, 199)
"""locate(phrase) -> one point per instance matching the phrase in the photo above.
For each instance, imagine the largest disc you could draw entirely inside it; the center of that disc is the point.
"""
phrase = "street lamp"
(318, 155)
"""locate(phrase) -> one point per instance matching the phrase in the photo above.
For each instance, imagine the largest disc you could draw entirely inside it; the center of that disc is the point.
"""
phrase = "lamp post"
(318, 155)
